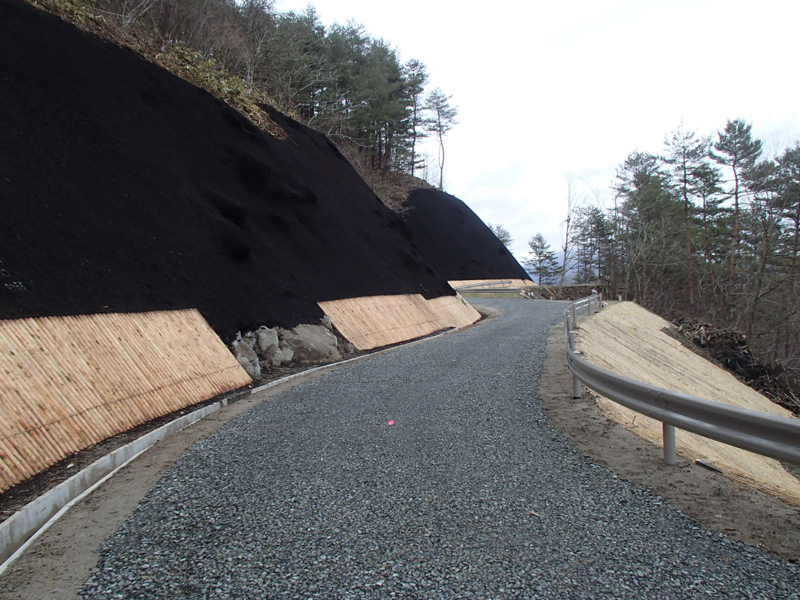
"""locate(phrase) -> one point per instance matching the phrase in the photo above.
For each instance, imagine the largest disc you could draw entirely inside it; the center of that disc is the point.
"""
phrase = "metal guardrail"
(762, 433)
(484, 284)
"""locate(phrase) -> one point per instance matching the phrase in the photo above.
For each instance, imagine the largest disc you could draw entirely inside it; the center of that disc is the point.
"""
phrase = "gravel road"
(429, 472)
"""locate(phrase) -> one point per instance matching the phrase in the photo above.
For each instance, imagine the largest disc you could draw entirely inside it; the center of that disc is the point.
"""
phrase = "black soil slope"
(453, 238)
(124, 188)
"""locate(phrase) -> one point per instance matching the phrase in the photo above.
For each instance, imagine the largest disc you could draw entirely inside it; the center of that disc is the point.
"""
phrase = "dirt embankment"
(631, 341)
(717, 502)
(455, 240)
(125, 188)
(751, 498)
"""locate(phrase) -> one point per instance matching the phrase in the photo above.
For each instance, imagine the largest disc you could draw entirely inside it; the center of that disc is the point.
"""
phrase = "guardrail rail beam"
(759, 432)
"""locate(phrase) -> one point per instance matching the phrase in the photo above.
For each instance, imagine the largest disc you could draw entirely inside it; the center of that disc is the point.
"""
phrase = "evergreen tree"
(593, 245)
(760, 235)
(736, 149)
(443, 118)
(502, 234)
(686, 155)
(297, 65)
(542, 262)
(711, 241)
(789, 165)
(650, 222)
(416, 79)
(786, 338)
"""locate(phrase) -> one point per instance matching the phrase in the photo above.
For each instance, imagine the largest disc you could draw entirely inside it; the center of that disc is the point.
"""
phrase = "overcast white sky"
(546, 89)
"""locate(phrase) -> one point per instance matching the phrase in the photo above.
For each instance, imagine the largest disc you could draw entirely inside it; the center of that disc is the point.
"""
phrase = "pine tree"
(542, 262)
(416, 78)
(736, 149)
(685, 157)
(502, 234)
(443, 118)
(649, 231)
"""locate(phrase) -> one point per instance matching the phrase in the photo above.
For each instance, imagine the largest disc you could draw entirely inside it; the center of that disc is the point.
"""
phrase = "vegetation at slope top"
(338, 79)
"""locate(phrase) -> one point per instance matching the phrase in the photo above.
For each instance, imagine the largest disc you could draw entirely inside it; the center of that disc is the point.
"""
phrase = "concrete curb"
(20, 530)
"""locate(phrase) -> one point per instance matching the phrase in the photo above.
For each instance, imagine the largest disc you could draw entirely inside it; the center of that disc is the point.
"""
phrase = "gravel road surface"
(429, 472)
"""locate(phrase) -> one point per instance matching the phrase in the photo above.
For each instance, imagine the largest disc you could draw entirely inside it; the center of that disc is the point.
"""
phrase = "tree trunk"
(441, 163)
(687, 221)
(734, 250)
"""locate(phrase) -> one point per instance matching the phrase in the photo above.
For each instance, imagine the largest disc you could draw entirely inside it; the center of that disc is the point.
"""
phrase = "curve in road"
(429, 472)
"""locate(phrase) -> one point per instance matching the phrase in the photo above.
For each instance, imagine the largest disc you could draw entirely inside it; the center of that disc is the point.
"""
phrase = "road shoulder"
(59, 561)
(749, 516)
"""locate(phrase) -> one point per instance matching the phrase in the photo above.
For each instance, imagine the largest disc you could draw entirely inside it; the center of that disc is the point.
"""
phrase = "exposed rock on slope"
(124, 188)
(454, 239)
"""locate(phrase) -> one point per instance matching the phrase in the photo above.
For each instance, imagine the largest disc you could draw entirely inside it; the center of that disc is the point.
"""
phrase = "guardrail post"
(577, 386)
(670, 457)
(765, 434)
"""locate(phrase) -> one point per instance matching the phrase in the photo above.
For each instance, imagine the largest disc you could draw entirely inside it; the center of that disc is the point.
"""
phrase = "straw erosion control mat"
(629, 340)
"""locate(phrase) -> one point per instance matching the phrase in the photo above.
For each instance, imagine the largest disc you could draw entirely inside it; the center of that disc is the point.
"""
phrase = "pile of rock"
(272, 347)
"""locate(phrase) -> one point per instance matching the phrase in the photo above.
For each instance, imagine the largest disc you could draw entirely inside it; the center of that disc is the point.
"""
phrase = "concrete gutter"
(20, 530)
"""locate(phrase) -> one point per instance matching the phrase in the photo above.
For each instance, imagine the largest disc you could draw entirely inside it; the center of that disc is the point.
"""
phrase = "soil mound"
(631, 341)
(453, 238)
(123, 188)
(730, 348)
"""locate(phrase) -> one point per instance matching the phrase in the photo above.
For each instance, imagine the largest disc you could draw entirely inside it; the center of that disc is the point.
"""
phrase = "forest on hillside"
(339, 80)
(707, 230)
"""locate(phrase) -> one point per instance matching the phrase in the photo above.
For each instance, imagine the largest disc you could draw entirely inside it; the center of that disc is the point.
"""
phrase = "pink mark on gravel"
(391, 422)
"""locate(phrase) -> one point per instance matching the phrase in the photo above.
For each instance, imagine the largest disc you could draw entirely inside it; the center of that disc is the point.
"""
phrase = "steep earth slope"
(123, 188)
(633, 342)
(453, 238)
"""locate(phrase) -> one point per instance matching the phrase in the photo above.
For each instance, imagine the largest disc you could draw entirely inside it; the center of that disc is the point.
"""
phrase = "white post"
(577, 387)
(670, 457)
